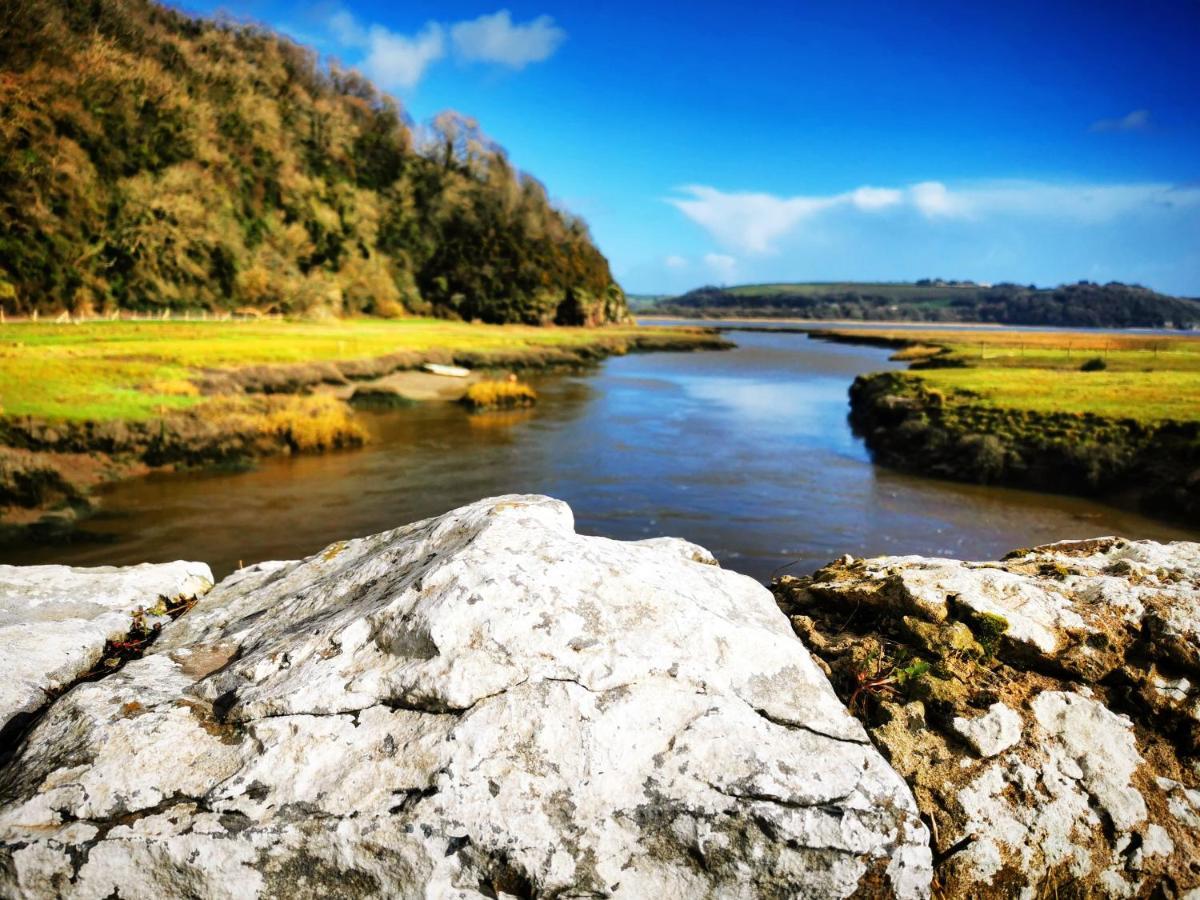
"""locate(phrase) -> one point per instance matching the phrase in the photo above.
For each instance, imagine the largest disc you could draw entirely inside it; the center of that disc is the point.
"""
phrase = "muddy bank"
(49, 469)
(290, 379)
(909, 426)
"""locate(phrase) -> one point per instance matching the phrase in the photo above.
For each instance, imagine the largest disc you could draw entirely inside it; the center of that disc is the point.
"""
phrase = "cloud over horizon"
(754, 223)
(399, 61)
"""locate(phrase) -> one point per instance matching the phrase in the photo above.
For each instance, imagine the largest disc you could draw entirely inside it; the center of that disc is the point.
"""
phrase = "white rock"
(55, 620)
(1080, 758)
(1103, 746)
(993, 732)
(1083, 619)
(478, 704)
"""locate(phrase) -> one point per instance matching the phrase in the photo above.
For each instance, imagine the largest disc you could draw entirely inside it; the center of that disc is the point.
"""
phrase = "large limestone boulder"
(1044, 708)
(480, 704)
(56, 620)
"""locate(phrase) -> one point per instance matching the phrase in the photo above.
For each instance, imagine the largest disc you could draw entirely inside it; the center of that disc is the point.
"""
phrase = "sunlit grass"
(139, 370)
(1144, 396)
(499, 395)
(1147, 377)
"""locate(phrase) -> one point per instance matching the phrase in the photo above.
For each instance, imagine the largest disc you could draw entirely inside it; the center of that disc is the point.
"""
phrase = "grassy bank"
(125, 396)
(136, 371)
(1145, 378)
(1071, 412)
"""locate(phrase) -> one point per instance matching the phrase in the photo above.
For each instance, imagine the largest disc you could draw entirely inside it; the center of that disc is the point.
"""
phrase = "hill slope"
(151, 160)
(1084, 304)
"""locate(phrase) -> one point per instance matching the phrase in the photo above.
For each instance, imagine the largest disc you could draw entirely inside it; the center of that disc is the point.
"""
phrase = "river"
(747, 452)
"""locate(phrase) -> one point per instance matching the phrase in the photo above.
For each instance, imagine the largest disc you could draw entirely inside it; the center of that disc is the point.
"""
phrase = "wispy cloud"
(1138, 120)
(399, 61)
(755, 222)
(721, 265)
(497, 39)
(675, 262)
(748, 221)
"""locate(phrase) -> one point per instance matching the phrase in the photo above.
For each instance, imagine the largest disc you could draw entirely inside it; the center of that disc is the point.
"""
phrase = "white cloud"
(1138, 120)
(755, 222)
(399, 61)
(396, 61)
(869, 198)
(675, 262)
(496, 39)
(347, 30)
(721, 265)
(933, 199)
(750, 222)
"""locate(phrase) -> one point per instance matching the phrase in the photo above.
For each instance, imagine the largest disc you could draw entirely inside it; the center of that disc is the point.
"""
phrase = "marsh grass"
(499, 395)
(305, 424)
(1147, 378)
(136, 371)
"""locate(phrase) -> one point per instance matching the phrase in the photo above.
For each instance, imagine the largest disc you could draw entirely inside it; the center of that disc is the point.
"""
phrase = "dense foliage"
(1079, 305)
(150, 160)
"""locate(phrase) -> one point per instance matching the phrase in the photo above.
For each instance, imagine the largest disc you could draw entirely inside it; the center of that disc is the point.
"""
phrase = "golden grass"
(132, 371)
(176, 388)
(317, 423)
(916, 351)
(499, 395)
(304, 423)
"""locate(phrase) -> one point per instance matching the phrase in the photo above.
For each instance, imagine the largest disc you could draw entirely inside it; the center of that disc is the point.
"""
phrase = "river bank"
(87, 405)
(1114, 417)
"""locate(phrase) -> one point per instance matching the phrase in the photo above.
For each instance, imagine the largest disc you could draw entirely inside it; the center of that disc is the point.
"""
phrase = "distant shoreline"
(809, 325)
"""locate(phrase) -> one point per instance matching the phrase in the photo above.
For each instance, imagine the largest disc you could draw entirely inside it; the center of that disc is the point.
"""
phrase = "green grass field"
(137, 370)
(1147, 378)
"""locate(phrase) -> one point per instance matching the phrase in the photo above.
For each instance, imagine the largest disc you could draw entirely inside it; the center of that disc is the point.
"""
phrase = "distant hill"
(1081, 305)
(152, 160)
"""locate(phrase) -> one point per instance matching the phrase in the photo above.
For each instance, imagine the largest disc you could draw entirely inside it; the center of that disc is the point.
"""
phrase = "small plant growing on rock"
(882, 677)
(140, 636)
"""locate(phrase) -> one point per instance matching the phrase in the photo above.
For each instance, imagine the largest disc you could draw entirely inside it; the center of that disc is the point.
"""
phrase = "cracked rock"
(55, 620)
(479, 704)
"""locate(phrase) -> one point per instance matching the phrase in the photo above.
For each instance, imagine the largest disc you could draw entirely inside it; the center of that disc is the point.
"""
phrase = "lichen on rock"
(1053, 750)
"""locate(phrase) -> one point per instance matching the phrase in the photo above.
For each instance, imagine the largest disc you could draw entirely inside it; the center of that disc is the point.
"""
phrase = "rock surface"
(55, 620)
(476, 705)
(1043, 708)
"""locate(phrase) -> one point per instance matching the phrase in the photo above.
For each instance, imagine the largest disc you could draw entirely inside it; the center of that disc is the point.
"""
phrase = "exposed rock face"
(478, 704)
(1044, 709)
(55, 620)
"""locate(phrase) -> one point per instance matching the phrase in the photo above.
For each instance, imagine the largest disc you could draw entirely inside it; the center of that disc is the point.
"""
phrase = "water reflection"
(746, 452)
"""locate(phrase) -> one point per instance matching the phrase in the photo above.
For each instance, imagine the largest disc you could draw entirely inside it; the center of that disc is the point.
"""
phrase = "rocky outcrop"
(56, 620)
(1045, 709)
(480, 704)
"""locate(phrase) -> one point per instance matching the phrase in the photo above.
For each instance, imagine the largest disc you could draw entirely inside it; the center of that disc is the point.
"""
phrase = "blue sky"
(720, 143)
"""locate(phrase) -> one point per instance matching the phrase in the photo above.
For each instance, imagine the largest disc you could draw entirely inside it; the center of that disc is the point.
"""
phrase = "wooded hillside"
(149, 160)
(1081, 305)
